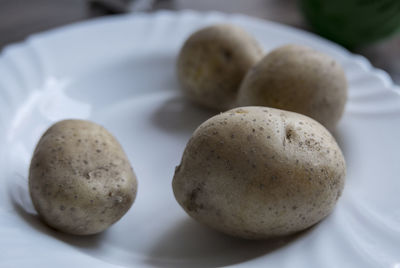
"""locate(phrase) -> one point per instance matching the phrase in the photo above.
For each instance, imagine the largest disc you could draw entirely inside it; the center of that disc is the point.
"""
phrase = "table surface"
(20, 18)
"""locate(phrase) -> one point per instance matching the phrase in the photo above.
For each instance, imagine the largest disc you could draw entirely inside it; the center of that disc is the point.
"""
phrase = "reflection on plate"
(119, 72)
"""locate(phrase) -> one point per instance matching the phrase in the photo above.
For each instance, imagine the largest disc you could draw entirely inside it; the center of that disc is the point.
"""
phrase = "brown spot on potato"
(227, 53)
(191, 202)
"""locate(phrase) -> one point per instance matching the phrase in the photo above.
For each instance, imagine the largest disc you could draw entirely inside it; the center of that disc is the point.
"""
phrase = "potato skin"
(80, 179)
(298, 79)
(257, 172)
(213, 62)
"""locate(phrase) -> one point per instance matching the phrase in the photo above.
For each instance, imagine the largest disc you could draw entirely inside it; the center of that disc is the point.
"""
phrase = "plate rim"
(361, 60)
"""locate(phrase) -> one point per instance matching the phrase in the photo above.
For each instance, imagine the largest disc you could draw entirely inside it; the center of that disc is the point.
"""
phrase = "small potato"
(257, 172)
(298, 79)
(213, 62)
(80, 179)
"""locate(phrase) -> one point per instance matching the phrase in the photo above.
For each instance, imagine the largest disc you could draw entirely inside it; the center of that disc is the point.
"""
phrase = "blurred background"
(367, 27)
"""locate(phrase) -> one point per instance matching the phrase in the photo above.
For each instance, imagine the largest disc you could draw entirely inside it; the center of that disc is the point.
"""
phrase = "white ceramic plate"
(119, 72)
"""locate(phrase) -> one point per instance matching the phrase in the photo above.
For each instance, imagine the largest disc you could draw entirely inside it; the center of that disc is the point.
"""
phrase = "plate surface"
(120, 73)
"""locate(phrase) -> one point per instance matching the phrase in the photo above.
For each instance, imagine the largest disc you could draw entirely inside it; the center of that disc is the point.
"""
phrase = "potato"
(257, 172)
(80, 179)
(298, 79)
(213, 62)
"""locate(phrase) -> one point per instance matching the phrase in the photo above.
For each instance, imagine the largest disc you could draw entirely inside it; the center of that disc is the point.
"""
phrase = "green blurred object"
(353, 23)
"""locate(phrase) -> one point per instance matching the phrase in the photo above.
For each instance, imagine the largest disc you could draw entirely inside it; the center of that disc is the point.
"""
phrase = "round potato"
(257, 172)
(80, 179)
(213, 62)
(298, 79)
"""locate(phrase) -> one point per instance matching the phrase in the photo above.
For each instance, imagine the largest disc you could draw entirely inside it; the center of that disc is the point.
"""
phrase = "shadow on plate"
(20, 199)
(178, 115)
(190, 244)
(342, 140)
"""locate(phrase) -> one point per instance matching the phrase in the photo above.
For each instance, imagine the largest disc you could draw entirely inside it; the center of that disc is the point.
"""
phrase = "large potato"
(213, 62)
(298, 79)
(257, 172)
(80, 179)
